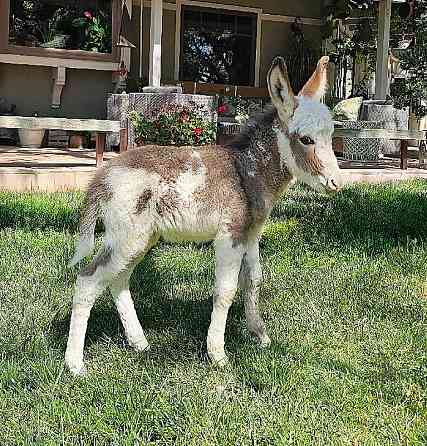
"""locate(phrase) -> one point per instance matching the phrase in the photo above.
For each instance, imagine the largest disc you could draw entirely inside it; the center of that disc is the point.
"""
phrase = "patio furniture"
(361, 149)
(100, 127)
(403, 136)
(190, 87)
(391, 118)
(226, 131)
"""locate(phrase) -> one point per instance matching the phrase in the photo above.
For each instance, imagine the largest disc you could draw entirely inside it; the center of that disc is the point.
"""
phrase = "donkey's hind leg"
(125, 306)
(91, 282)
(108, 265)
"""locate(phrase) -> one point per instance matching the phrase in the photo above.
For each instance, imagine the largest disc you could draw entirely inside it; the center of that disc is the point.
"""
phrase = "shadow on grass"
(174, 325)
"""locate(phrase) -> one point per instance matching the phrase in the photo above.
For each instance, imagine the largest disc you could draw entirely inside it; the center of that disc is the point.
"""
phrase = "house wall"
(168, 44)
(306, 8)
(30, 88)
(274, 40)
(85, 92)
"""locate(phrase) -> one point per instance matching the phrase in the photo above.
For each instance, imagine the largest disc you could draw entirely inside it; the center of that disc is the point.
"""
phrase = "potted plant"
(97, 31)
(31, 138)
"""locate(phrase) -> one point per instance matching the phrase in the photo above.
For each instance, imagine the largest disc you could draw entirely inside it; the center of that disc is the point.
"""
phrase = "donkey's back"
(183, 193)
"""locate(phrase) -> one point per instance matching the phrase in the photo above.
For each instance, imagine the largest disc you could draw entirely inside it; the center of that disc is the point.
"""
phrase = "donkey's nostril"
(334, 184)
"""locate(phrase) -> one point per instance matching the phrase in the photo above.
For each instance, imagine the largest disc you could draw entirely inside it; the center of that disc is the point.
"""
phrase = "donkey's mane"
(255, 124)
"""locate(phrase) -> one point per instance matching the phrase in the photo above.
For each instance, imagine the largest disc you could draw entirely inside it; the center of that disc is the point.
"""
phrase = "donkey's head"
(305, 136)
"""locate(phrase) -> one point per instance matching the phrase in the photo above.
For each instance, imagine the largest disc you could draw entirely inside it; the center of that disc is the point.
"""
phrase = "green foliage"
(412, 91)
(46, 24)
(339, 10)
(97, 31)
(173, 125)
(358, 47)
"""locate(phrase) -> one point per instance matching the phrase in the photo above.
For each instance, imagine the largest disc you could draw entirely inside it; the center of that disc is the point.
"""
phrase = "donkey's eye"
(306, 140)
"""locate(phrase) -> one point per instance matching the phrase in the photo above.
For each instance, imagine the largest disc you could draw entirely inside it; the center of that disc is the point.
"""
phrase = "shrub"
(173, 125)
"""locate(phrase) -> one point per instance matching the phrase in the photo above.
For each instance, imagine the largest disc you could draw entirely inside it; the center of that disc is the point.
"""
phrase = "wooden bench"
(404, 136)
(100, 127)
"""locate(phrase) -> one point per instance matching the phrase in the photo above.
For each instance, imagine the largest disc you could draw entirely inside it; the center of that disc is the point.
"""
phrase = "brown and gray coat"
(220, 193)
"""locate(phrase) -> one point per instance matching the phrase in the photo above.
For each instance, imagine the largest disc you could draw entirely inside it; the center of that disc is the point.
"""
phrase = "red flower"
(88, 14)
(198, 131)
(222, 109)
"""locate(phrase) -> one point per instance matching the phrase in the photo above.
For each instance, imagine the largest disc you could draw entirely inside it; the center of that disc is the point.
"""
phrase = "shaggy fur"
(219, 193)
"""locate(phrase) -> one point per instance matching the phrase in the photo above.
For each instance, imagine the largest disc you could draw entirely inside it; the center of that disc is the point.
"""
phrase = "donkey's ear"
(317, 84)
(280, 89)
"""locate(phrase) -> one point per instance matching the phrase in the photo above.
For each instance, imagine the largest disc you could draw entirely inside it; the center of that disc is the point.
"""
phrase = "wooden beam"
(141, 38)
(155, 69)
(381, 76)
(59, 79)
(123, 140)
(403, 154)
(18, 59)
(290, 19)
(90, 125)
(398, 135)
(100, 148)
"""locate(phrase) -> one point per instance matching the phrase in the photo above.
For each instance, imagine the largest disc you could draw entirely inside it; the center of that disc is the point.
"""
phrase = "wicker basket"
(359, 149)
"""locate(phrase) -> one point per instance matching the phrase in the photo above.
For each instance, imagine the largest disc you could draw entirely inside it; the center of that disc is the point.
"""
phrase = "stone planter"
(151, 105)
(31, 138)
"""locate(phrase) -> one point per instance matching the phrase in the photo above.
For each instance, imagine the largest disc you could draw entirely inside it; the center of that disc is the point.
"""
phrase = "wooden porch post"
(156, 43)
(381, 75)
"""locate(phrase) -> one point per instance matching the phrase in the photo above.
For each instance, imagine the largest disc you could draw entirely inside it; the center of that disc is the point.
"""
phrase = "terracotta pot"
(77, 142)
(31, 138)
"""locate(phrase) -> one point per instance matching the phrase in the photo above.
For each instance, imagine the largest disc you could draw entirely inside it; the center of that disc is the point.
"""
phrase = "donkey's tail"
(86, 242)
(99, 191)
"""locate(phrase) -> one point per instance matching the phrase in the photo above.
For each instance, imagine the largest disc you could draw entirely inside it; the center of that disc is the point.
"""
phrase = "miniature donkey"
(220, 193)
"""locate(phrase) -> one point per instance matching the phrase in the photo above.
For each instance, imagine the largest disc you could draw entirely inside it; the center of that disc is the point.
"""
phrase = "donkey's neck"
(264, 175)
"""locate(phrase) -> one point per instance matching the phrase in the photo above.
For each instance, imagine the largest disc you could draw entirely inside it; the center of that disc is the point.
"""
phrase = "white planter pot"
(31, 138)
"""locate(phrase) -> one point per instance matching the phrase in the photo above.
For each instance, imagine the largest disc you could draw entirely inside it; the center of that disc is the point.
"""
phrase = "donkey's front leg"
(249, 281)
(227, 267)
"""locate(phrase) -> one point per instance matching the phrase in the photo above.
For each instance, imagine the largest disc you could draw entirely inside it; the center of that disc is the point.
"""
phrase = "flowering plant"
(97, 31)
(173, 125)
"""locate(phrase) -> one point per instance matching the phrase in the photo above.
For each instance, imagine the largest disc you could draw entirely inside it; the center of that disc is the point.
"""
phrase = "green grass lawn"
(344, 302)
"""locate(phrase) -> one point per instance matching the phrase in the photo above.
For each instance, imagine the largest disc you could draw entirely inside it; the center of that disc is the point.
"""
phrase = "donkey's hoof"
(265, 342)
(141, 346)
(219, 361)
(77, 369)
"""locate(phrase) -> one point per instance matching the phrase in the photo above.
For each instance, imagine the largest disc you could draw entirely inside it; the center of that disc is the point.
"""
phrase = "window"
(218, 46)
(69, 28)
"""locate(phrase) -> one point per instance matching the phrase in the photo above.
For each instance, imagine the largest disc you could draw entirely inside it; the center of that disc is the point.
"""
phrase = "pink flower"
(88, 14)
(222, 109)
(198, 131)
